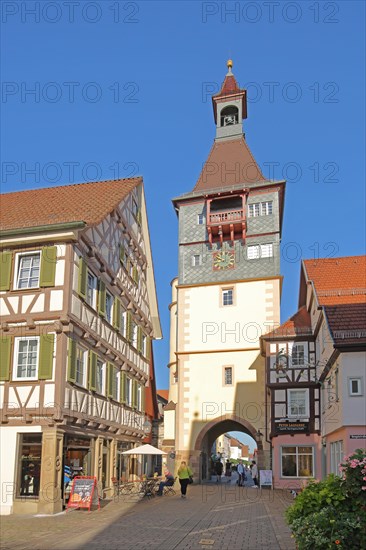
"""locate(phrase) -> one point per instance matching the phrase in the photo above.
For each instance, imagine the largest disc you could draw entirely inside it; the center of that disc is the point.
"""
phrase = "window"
(29, 464)
(108, 307)
(260, 251)
(298, 403)
(196, 260)
(27, 270)
(200, 219)
(123, 322)
(26, 358)
(228, 376)
(100, 378)
(336, 457)
(260, 209)
(227, 297)
(129, 391)
(134, 331)
(298, 355)
(91, 290)
(266, 208)
(297, 461)
(355, 386)
(80, 366)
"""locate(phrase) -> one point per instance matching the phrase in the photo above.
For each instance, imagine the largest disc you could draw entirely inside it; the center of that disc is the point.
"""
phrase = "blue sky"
(123, 88)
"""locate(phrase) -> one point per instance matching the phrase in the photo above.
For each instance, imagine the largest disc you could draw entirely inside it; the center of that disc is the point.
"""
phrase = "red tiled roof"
(338, 280)
(298, 324)
(347, 323)
(229, 163)
(87, 202)
(164, 394)
(229, 86)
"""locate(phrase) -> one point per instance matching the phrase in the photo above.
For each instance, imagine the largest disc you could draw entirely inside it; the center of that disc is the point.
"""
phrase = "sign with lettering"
(265, 478)
(84, 493)
(358, 436)
(291, 427)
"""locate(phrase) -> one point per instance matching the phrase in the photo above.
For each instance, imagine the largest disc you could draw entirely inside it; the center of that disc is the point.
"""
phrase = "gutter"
(42, 228)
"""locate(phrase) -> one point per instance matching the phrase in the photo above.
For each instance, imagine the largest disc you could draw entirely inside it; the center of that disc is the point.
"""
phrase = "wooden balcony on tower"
(226, 218)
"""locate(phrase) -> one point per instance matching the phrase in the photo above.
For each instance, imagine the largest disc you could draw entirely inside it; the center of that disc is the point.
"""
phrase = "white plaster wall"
(353, 365)
(8, 464)
(56, 300)
(169, 424)
(212, 326)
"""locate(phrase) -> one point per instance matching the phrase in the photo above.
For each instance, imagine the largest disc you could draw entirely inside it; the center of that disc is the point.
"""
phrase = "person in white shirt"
(254, 469)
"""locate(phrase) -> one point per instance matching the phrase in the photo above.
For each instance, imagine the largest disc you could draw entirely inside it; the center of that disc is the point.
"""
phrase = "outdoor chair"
(169, 488)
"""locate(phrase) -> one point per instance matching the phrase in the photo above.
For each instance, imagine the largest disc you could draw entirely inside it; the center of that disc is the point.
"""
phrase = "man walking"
(241, 473)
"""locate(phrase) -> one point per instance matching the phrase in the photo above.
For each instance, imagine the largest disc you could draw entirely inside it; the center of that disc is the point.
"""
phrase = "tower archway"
(212, 430)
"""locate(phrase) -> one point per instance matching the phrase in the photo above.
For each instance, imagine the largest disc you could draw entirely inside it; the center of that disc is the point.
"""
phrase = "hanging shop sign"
(84, 493)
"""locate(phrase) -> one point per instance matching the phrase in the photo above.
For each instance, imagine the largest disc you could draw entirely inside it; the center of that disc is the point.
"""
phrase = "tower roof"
(229, 163)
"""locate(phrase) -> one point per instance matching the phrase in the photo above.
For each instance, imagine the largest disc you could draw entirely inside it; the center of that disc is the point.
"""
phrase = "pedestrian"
(254, 469)
(228, 470)
(185, 477)
(241, 472)
(218, 470)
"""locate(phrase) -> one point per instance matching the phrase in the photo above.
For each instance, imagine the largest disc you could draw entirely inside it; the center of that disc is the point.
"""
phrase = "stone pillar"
(98, 463)
(50, 495)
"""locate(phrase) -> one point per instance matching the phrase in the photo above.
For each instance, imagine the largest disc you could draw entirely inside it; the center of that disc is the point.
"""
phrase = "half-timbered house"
(78, 313)
(315, 373)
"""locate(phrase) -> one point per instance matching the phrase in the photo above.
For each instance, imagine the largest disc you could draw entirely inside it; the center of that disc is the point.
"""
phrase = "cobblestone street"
(217, 516)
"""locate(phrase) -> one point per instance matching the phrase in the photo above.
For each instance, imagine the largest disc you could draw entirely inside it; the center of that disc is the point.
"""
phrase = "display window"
(29, 462)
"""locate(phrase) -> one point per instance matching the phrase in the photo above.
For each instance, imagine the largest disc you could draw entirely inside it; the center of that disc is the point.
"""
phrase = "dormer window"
(229, 116)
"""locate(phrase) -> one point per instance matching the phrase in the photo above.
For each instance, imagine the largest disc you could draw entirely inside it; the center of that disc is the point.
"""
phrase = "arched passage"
(212, 430)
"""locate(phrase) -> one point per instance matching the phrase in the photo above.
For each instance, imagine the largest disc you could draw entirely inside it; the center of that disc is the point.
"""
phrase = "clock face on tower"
(223, 260)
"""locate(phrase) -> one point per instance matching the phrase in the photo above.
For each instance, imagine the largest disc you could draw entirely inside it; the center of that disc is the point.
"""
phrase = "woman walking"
(184, 474)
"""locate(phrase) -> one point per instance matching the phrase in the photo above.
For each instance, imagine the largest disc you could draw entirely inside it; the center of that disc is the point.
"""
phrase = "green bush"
(328, 528)
(316, 496)
(332, 513)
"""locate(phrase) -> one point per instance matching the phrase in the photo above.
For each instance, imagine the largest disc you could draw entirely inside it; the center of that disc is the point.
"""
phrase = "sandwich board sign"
(84, 493)
(265, 478)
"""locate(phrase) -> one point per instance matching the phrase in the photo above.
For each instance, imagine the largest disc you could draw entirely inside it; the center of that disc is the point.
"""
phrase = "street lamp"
(259, 436)
(147, 426)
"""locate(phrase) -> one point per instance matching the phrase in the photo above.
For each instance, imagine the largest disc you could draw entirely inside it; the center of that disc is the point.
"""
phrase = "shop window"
(336, 457)
(297, 461)
(29, 464)
(26, 358)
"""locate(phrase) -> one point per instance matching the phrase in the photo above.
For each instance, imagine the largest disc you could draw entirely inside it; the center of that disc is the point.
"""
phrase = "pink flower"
(364, 488)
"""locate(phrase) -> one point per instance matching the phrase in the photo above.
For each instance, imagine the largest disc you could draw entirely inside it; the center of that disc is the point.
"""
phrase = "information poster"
(84, 493)
(265, 478)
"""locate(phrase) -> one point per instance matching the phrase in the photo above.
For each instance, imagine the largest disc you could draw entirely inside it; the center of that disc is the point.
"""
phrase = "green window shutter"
(5, 353)
(122, 393)
(83, 274)
(48, 266)
(101, 298)
(142, 398)
(117, 314)
(5, 270)
(139, 339)
(148, 348)
(128, 326)
(109, 380)
(71, 375)
(134, 394)
(135, 274)
(139, 217)
(122, 253)
(46, 351)
(92, 371)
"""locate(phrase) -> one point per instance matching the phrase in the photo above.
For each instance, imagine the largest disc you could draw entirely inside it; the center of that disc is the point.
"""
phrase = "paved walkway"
(214, 516)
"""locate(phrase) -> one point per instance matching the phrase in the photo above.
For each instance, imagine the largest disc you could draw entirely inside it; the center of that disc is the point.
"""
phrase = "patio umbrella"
(144, 450)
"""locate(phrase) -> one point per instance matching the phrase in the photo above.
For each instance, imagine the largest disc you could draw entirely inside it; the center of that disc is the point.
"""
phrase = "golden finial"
(229, 64)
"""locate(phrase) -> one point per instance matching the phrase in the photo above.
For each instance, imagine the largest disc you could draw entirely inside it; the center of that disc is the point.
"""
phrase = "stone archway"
(213, 429)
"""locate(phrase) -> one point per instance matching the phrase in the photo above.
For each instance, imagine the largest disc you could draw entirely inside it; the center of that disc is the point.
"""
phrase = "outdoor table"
(149, 486)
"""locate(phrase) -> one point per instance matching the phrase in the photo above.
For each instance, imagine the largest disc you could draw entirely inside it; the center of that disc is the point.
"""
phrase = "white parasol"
(144, 450)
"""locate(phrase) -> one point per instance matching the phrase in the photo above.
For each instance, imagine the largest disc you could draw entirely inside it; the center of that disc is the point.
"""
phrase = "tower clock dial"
(223, 260)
